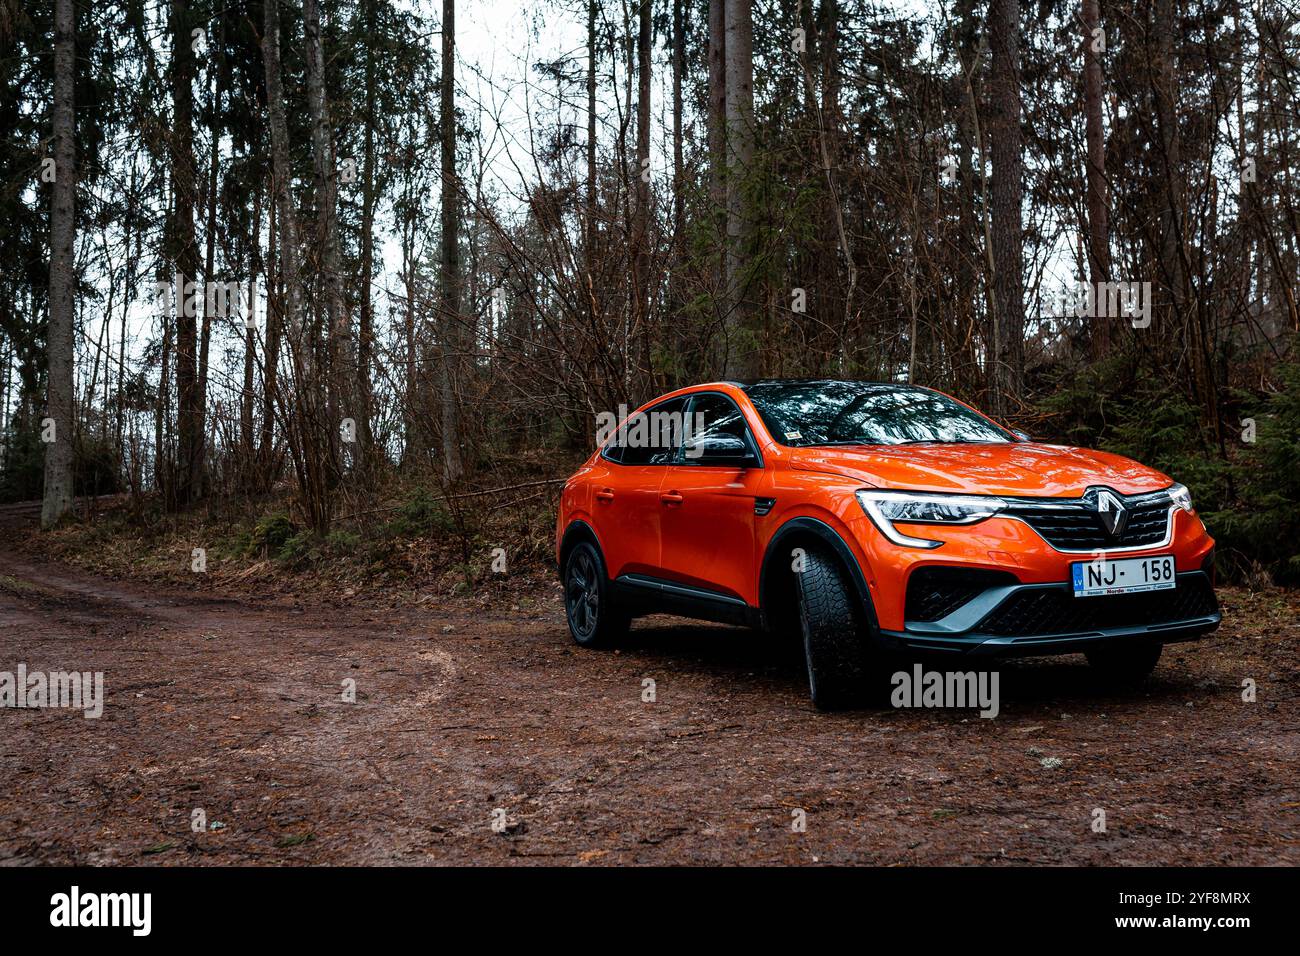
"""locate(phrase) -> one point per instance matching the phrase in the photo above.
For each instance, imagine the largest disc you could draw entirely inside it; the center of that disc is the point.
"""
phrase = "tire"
(841, 666)
(593, 617)
(1125, 663)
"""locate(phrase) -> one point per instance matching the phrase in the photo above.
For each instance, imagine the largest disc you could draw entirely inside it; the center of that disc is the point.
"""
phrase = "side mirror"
(720, 450)
(1023, 436)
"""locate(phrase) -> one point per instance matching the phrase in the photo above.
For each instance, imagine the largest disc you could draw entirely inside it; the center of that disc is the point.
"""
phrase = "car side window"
(713, 415)
(651, 437)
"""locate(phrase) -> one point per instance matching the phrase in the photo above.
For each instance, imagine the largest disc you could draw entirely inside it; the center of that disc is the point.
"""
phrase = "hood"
(1013, 468)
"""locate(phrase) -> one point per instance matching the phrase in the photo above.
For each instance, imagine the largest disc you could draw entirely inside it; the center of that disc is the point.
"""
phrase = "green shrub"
(22, 471)
(271, 533)
(95, 465)
(300, 549)
(420, 515)
(240, 543)
(342, 543)
(1247, 494)
(1261, 523)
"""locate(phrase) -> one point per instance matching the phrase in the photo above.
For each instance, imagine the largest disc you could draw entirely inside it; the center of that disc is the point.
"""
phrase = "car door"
(707, 511)
(625, 496)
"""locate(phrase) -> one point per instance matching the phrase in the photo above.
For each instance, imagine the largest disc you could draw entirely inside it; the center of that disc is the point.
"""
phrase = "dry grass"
(411, 545)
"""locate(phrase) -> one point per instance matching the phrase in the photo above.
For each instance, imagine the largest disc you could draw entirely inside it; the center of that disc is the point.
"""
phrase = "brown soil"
(233, 705)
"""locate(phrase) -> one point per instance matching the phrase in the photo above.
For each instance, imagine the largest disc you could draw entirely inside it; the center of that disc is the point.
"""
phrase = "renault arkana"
(872, 520)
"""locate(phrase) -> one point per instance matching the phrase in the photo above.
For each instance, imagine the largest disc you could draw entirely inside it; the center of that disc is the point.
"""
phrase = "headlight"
(889, 508)
(1181, 497)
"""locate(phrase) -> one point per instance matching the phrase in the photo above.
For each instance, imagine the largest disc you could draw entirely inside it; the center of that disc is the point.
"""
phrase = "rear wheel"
(842, 669)
(594, 619)
(1125, 662)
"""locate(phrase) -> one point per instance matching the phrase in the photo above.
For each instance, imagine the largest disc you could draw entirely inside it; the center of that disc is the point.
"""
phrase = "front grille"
(1055, 610)
(935, 592)
(1080, 528)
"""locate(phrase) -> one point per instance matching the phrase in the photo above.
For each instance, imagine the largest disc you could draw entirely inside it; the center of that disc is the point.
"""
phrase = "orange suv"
(878, 519)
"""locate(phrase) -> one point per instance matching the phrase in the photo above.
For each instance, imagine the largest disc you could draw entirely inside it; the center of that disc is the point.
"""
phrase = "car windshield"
(801, 414)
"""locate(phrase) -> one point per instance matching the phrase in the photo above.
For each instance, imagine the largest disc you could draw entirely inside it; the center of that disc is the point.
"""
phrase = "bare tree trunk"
(1192, 339)
(968, 247)
(415, 445)
(185, 254)
(589, 227)
(1007, 353)
(1263, 287)
(591, 135)
(1166, 112)
(742, 345)
(58, 404)
(1275, 98)
(287, 230)
(365, 335)
(1098, 213)
(247, 447)
(828, 125)
(717, 130)
(1243, 198)
(676, 333)
(6, 376)
(6, 381)
(163, 475)
(275, 293)
(449, 291)
(624, 201)
(679, 162)
(641, 220)
(209, 267)
(591, 123)
(120, 409)
(100, 347)
(322, 139)
(304, 426)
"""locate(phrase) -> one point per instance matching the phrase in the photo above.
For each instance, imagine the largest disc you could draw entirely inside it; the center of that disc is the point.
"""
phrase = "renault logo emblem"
(1111, 512)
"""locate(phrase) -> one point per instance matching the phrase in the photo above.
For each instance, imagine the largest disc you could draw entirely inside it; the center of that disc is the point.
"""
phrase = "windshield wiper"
(951, 441)
(896, 444)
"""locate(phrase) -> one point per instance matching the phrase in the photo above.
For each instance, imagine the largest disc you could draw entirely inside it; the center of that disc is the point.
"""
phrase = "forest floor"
(230, 703)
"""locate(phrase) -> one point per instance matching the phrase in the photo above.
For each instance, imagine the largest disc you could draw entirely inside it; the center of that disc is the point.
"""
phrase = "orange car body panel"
(696, 525)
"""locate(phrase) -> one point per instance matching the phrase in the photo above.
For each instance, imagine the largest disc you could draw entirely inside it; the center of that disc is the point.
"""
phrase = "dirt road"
(235, 707)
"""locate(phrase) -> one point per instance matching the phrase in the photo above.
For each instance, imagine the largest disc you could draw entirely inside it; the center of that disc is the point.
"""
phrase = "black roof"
(750, 383)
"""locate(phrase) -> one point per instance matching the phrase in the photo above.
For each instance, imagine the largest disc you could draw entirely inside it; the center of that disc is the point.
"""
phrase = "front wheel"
(594, 619)
(842, 669)
(1124, 662)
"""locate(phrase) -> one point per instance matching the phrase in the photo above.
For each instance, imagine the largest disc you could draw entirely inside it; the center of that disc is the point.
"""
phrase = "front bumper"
(1023, 619)
(997, 544)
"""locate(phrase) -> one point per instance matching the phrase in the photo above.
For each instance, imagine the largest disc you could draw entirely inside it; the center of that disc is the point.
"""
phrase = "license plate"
(1128, 576)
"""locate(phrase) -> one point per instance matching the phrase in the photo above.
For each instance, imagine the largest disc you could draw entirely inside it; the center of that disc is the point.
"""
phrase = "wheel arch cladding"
(776, 581)
(577, 532)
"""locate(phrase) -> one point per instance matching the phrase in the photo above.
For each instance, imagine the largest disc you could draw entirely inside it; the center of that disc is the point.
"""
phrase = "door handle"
(671, 498)
(605, 494)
